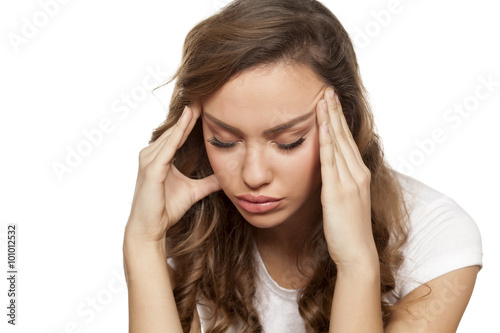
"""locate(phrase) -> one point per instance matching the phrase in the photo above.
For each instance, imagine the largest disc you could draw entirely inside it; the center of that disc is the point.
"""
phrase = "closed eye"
(220, 144)
(292, 145)
(283, 146)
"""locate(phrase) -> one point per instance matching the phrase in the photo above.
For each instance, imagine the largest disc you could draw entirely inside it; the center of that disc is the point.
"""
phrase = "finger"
(205, 187)
(195, 107)
(148, 153)
(329, 172)
(344, 136)
(346, 128)
(195, 111)
(359, 170)
(168, 148)
(338, 140)
(153, 146)
(166, 135)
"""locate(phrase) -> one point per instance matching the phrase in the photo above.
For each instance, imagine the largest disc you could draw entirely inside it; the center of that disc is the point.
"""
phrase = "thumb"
(206, 186)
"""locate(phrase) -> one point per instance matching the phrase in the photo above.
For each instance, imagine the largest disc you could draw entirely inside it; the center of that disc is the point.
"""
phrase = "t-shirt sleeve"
(443, 238)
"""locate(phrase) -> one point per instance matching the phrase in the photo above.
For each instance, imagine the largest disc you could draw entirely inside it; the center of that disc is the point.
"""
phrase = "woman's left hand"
(345, 193)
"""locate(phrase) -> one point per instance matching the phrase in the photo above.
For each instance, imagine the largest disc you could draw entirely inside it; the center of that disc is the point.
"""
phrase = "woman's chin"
(263, 221)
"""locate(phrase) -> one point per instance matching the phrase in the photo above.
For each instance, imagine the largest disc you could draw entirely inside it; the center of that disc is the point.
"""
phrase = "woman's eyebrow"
(275, 129)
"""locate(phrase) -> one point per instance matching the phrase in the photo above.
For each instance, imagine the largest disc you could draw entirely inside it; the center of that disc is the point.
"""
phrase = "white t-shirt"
(443, 238)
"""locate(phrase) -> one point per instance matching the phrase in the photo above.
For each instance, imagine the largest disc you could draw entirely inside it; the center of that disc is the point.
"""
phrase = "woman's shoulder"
(442, 236)
(417, 193)
(427, 206)
(436, 221)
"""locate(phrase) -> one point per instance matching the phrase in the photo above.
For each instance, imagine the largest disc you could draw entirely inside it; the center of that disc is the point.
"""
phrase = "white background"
(73, 73)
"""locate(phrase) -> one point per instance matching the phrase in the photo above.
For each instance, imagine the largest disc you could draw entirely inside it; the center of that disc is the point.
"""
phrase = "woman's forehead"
(281, 92)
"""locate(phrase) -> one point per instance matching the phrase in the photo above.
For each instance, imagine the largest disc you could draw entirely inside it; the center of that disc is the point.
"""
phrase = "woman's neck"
(279, 249)
(282, 241)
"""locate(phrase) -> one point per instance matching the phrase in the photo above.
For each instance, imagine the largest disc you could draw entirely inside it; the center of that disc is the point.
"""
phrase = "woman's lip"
(256, 198)
(258, 207)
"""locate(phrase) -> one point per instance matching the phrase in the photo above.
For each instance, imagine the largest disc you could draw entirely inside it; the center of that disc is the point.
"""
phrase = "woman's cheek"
(315, 161)
(224, 166)
(305, 165)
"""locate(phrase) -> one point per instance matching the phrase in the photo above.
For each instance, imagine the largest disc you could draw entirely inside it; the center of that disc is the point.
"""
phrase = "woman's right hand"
(162, 193)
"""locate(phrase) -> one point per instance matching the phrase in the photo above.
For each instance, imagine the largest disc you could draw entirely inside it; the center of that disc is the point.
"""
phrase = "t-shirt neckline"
(268, 280)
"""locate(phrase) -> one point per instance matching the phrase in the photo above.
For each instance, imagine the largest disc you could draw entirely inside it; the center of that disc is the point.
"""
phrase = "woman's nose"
(256, 170)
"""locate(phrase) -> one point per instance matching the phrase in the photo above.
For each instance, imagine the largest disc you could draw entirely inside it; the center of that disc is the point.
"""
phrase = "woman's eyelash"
(220, 144)
(292, 145)
(282, 146)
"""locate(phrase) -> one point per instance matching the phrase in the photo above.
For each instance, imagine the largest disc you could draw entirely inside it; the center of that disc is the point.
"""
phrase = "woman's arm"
(346, 223)
(356, 301)
(162, 196)
(437, 312)
(345, 197)
(152, 306)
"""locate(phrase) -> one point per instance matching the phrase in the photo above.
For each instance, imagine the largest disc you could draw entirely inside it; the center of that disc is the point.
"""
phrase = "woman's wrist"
(133, 244)
(140, 256)
(365, 263)
(138, 235)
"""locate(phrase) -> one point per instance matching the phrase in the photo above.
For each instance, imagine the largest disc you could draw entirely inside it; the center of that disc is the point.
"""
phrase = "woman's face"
(261, 137)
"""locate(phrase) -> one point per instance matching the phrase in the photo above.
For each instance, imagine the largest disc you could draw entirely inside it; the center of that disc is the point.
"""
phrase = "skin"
(326, 169)
(253, 102)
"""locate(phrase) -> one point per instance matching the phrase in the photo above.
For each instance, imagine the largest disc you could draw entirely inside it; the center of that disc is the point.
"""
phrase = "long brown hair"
(212, 244)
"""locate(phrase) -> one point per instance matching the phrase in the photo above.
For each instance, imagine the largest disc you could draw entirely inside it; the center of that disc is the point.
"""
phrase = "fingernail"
(323, 105)
(331, 92)
(324, 127)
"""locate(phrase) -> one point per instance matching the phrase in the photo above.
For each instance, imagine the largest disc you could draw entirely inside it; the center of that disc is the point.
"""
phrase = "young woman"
(267, 190)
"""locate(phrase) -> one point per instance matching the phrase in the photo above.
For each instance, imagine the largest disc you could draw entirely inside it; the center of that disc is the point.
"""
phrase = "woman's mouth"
(258, 204)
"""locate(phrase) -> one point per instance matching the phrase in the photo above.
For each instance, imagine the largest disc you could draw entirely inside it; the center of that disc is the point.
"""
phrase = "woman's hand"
(162, 193)
(345, 193)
